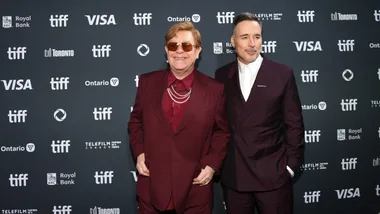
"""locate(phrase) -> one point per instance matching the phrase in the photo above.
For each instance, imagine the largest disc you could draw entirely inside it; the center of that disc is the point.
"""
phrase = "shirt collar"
(253, 66)
(187, 81)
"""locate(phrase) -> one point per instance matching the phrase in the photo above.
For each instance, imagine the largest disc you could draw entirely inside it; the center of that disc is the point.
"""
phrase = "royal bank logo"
(376, 161)
(64, 179)
(100, 145)
(219, 49)
(30, 147)
(349, 134)
(343, 17)
(194, 18)
(321, 106)
(269, 16)
(100, 210)
(114, 82)
(314, 166)
(19, 21)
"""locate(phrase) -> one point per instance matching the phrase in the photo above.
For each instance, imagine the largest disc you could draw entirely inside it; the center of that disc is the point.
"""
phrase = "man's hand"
(140, 166)
(204, 177)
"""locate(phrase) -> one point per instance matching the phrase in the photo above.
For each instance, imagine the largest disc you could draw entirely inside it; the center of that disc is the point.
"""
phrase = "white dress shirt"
(247, 77)
(248, 74)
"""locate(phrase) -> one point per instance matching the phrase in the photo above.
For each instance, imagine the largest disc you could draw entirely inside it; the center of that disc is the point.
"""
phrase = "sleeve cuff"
(290, 171)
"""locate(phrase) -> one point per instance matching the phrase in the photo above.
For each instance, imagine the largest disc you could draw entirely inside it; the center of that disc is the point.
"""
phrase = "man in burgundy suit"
(178, 130)
(265, 119)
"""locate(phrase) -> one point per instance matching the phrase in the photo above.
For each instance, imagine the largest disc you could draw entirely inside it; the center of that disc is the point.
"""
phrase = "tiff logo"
(137, 81)
(312, 136)
(102, 113)
(309, 75)
(142, 18)
(58, 20)
(18, 85)
(18, 180)
(308, 46)
(59, 83)
(349, 104)
(312, 197)
(306, 16)
(16, 53)
(101, 50)
(60, 146)
(17, 116)
(269, 47)
(377, 15)
(101, 19)
(103, 177)
(65, 209)
(348, 193)
(225, 17)
(346, 45)
(377, 190)
(349, 163)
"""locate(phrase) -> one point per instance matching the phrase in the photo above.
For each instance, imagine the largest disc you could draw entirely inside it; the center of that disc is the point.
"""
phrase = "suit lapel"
(157, 100)
(234, 95)
(197, 94)
(252, 98)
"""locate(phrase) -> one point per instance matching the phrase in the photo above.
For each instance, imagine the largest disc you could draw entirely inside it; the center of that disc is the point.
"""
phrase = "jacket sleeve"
(220, 136)
(135, 126)
(294, 125)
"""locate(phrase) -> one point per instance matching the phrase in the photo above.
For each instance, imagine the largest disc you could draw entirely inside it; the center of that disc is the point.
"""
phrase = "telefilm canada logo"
(19, 211)
(101, 145)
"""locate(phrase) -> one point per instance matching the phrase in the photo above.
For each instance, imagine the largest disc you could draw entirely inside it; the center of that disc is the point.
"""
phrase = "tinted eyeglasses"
(173, 46)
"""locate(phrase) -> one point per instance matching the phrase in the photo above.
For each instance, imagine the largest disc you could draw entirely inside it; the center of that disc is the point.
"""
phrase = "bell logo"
(101, 19)
(143, 50)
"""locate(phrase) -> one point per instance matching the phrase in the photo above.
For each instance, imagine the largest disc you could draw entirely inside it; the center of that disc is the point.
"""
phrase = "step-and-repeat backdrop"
(69, 73)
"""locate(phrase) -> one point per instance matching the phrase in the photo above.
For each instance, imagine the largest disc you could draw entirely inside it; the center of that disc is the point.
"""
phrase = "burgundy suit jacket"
(174, 158)
(267, 130)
